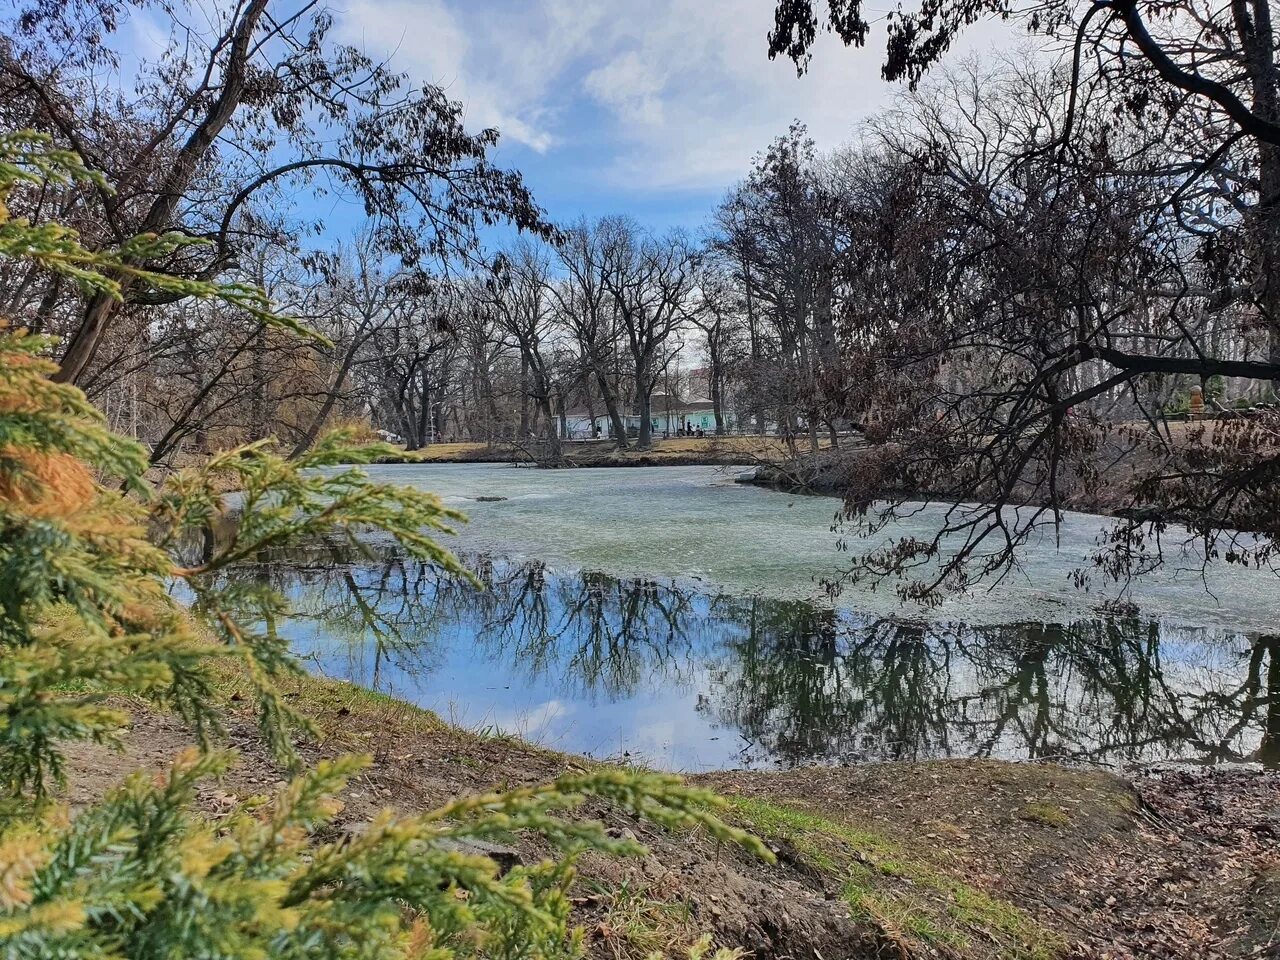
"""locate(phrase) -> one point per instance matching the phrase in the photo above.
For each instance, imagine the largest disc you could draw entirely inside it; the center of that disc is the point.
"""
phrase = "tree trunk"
(436, 410)
(589, 398)
(407, 422)
(424, 410)
(1258, 43)
(644, 409)
(494, 418)
(1269, 244)
(258, 387)
(611, 407)
(717, 389)
(552, 438)
(326, 408)
(757, 393)
(47, 303)
(524, 397)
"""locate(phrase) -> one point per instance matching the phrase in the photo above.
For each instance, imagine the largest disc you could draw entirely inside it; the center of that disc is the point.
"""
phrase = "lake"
(672, 617)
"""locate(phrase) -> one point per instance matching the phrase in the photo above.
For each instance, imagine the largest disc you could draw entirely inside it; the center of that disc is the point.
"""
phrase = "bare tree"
(518, 293)
(587, 310)
(649, 280)
(261, 104)
(363, 297)
(780, 232)
(1115, 239)
(716, 312)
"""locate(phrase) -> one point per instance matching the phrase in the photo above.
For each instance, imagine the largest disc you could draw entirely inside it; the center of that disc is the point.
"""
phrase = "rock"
(505, 857)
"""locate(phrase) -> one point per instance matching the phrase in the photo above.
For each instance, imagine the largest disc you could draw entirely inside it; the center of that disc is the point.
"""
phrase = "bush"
(87, 620)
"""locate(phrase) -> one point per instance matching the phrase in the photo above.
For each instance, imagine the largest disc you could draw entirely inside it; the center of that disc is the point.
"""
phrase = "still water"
(673, 617)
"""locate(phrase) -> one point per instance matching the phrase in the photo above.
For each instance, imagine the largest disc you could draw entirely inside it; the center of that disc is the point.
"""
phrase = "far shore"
(746, 451)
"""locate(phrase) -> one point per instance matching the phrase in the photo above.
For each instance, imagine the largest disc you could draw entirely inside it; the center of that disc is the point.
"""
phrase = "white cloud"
(676, 94)
(495, 65)
(539, 722)
(722, 100)
(629, 88)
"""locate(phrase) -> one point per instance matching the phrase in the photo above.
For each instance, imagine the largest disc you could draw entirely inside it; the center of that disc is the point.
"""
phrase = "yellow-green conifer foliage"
(88, 557)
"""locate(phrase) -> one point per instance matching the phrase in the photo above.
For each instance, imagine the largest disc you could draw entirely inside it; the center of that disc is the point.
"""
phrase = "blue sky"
(653, 108)
(650, 108)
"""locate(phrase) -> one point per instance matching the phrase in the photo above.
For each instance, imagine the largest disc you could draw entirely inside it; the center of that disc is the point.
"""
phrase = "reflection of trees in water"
(801, 682)
(1098, 690)
(594, 633)
(591, 632)
(372, 612)
(1260, 696)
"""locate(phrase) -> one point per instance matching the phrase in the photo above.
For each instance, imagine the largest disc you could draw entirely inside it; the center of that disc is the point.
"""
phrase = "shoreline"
(795, 478)
(711, 451)
(969, 859)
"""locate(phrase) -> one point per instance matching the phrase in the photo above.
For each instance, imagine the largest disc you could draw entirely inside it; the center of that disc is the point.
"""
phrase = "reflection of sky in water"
(477, 677)
(681, 678)
(702, 638)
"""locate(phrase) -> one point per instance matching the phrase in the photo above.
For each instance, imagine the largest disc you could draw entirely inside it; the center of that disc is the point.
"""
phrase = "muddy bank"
(963, 859)
(839, 472)
(827, 473)
(668, 452)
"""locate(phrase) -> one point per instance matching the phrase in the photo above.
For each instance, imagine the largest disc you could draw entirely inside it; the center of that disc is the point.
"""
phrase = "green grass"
(641, 922)
(1041, 811)
(329, 703)
(886, 883)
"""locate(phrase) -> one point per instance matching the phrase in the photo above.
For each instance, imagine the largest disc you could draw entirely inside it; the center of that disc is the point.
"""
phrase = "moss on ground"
(1050, 814)
(886, 883)
(334, 707)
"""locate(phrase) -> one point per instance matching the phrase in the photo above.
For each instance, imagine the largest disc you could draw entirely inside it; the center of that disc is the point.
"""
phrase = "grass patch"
(1127, 801)
(445, 452)
(642, 922)
(335, 707)
(886, 883)
(738, 448)
(1041, 811)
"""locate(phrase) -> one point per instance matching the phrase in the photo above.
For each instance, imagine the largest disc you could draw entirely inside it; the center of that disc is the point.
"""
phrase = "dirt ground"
(955, 859)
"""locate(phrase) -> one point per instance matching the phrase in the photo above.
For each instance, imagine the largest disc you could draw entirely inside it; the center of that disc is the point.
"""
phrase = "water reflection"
(692, 679)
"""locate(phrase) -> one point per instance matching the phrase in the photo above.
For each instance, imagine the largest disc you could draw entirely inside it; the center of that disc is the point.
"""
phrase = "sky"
(648, 107)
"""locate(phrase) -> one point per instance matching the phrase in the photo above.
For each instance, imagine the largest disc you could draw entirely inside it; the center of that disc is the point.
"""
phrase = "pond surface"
(673, 617)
